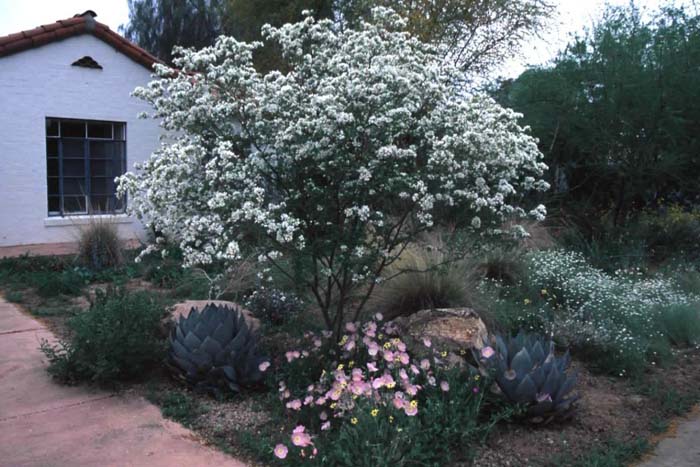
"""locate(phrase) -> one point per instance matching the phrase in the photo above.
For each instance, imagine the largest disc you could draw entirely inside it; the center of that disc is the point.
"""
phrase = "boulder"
(455, 330)
(184, 308)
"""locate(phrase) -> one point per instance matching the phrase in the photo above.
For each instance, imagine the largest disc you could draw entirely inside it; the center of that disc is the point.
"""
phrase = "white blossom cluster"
(363, 136)
(618, 313)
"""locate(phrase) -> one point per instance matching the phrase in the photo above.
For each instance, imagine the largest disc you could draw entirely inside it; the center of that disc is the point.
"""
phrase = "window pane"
(71, 129)
(106, 150)
(102, 203)
(54, 204)
(52, 167)
(119, 133)
(74, 204)
(74, 186)
(51, 147)
(100, 168)
(52, 185)
(100, 130)
(102, 186)
(73, 149)
(51, 127)
(74, 168)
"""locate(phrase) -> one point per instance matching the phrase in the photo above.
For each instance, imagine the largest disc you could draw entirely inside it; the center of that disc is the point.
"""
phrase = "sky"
(572, 16)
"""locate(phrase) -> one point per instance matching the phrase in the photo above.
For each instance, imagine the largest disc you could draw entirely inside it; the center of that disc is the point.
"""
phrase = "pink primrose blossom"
(281, 451)
(487, 352)
(325, 426)
(404, 358)
(414, 370)
(426, 342)
(301, 439)
(264, 366)
(351, 327)
(425, 364)
(410, 410)
(388, 355)
(445, 386)
(372, 367)
(294, 405)
(402, 374)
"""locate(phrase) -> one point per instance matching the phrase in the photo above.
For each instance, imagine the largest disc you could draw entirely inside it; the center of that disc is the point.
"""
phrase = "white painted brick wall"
(40, 83)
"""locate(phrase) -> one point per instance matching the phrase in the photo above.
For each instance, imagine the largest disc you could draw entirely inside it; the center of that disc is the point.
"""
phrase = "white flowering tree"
(342, 160)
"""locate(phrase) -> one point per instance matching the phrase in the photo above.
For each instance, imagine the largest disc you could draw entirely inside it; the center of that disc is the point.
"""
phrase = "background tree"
(159, 25)
(475, 35)
(617, 114)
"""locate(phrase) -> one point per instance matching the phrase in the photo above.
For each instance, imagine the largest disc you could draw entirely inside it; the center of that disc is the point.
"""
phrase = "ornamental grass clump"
(374, 404)
(363, 144)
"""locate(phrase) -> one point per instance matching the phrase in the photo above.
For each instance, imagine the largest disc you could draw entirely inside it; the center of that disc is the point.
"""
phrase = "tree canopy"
(616, 114)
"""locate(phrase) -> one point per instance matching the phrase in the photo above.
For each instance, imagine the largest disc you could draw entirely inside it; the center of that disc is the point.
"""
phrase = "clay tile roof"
(83, 23)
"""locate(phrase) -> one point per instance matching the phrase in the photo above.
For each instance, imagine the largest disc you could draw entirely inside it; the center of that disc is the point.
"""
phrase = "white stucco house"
(68, 126)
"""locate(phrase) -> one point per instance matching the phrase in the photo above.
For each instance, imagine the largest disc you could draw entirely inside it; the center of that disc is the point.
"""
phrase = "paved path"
(46, 424)
(680, 447)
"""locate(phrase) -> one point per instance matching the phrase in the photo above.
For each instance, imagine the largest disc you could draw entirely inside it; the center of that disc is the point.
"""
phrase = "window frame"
(87, 176)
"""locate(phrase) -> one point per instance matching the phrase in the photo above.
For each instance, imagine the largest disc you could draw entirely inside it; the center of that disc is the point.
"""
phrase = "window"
(82, 160)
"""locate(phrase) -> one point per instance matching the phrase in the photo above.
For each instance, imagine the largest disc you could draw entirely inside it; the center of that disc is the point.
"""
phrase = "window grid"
(79, 193)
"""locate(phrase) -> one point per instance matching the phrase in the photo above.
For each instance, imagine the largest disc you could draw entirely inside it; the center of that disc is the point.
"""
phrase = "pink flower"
(372, 349)
(426, 342)
(320, 401)
(292, 355)
(372, 367)
(487, 352)
(404, 358)
(431, 380)
(351, 327)
(264, 366)
(325, 426)
(398, 401)
(475, 390)
(401, 346)
(425, 364)
(349, 346)
(379, 317)
(402, 374)
(317, 343)
(410, 409)
(357, 374)
(411, 389)
(308, 400)
(294, 405)
(281, 451)
(388, 355)
(323, 416)
(299, 429)
(414, 370)
(301, 439)
(445, 386)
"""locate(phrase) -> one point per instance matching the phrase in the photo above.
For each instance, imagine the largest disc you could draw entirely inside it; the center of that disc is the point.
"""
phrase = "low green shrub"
(53, 284)
(118, 338)
(14, 296)
(681, 324)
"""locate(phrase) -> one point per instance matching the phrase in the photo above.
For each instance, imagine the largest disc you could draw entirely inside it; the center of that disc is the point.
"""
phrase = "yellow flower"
(462, 352)
(353, 420)
(476, 378)
(387, 345)
(543, 291)
(351, 363)
(414, 403)
(343, 340)
(333, 405)
(375, 412)
(391, 419)
(380, 336)
(391, 385)
(527, 301)
(443, 354)
(340, 367)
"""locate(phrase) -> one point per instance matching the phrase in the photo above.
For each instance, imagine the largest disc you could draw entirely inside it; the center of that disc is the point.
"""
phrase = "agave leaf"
(526, 390)
(565, 388)
(522, 363)
(178, 349)
(192, 342)
(537, 353)
(211, 346)
(538, 376)
(553, 381)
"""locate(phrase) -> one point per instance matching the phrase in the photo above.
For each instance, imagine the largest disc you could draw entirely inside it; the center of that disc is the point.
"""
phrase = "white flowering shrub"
(620, 318)
(343, 159)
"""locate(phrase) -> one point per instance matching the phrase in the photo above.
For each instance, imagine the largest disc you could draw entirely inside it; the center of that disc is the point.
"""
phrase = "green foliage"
(615, 114)
(99, 246)
(118, 338)
(14, 296)
(178, 406)
(681, 324)
(528, 372)
(214, 351)
(612, 453)
(51, 284)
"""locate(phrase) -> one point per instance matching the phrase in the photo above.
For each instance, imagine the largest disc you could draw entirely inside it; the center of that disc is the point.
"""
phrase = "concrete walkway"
(45, 424)
(680, 447)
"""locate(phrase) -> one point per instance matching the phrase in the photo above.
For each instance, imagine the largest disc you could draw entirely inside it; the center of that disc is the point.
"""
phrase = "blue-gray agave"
(214, 350)
(527, 371)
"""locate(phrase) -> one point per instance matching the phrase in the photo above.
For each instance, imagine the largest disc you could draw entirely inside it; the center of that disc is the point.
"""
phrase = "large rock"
(455, 330)
(184, 308)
